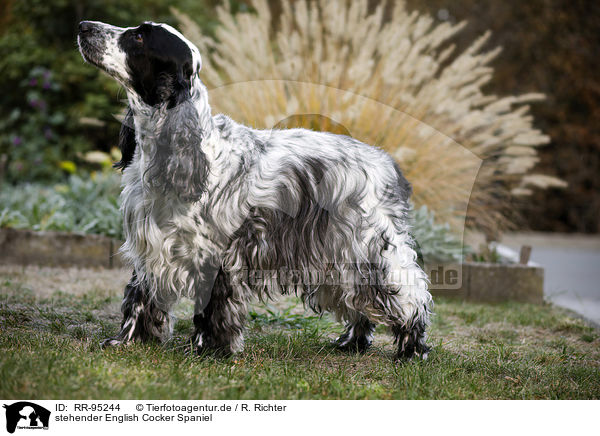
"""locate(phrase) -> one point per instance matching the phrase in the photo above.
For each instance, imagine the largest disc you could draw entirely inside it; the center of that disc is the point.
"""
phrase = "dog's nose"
(85, 26)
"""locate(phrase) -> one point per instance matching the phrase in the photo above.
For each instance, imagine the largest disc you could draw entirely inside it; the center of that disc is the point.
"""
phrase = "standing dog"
(217, 211)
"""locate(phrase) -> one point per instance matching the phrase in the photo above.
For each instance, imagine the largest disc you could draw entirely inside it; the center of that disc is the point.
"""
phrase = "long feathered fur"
(217, 211)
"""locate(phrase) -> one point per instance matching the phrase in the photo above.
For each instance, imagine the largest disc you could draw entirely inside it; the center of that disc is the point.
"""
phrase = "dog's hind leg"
(219, 326)
(410, 339)
(358, 335)
(408, 307)
(143, 318)
(405, 310)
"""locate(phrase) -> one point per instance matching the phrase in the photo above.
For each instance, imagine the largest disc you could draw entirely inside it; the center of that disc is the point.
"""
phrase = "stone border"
(494, 282)
(478, 281)
(27, 247)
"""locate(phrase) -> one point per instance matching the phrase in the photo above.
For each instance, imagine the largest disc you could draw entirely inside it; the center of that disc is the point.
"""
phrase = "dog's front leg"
(143, 318)
(220, 317)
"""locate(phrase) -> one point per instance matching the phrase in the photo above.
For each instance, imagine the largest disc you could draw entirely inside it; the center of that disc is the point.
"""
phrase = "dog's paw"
(411, 347)
(202, 346)
(222, 352)
(112, 342)
(414, 355)
(352, 344)
(199, 344)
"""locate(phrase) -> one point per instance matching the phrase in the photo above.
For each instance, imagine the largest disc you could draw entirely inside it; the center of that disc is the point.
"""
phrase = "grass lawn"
(52, 320)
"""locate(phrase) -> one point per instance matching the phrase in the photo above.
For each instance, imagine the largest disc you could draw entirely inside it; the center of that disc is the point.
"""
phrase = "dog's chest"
(164, 234)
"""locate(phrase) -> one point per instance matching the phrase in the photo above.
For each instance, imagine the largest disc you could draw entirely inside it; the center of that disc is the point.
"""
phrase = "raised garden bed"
(27, 247)
(488, 282)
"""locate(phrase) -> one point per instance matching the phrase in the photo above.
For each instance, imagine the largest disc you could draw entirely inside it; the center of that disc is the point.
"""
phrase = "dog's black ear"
(183, 86)
(178, 163)
(126, 141)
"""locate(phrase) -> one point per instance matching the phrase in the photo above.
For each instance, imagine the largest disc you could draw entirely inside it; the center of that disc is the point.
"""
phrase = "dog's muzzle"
(91, 39)
(85, 27)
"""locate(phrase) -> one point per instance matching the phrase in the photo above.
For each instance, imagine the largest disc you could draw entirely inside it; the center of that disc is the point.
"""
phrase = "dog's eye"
(139, 38)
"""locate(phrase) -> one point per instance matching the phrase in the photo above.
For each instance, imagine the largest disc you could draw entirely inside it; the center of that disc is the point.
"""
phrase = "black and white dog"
(217, 211)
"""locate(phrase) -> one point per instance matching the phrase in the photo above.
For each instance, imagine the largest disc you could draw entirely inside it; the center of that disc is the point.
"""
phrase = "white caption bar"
(273, 417)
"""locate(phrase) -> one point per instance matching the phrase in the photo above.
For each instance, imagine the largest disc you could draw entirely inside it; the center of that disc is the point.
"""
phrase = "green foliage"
(83, 204)
(272, 316)
(487, 254)
(436, 242)
(35, 149)
(48, 89)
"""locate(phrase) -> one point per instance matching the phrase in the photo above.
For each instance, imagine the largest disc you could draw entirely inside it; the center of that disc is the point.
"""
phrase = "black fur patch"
(140, 313)
(411, 340)
(127, 142)
(403, 185)
(223, 320)
(161, 64)
(292, 238)
(357, 337)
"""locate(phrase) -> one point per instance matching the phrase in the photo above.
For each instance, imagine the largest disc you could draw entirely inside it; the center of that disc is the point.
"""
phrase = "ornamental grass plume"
(390, 78)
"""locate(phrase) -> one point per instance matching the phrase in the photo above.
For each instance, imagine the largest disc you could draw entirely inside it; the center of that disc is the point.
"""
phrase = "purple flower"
(33, 82)
(47, 74)
(48, 133)
(17, 140)
(46, 85)
(38, 104)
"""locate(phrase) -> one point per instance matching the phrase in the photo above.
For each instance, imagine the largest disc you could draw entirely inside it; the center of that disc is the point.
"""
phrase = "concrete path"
(572, 269)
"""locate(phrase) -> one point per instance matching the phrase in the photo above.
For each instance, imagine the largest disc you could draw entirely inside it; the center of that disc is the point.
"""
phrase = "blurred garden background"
(530, 111)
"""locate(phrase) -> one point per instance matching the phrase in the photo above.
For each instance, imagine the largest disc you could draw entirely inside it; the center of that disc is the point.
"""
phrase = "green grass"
(49, 345)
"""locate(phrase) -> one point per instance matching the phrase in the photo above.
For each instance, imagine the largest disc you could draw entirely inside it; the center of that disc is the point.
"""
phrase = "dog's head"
(154, 61)
(159, 68)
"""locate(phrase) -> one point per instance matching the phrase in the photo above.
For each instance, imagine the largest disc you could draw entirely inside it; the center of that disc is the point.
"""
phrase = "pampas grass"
(392, 80)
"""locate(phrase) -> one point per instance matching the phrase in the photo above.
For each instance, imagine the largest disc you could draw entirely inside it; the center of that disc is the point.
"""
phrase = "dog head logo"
(26, 415)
